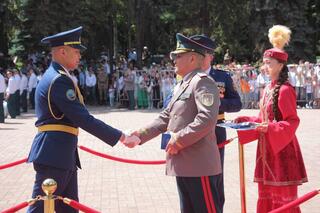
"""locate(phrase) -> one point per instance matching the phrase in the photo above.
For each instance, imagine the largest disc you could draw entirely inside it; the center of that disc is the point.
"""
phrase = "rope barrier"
(221, 145)
(123, 160)
(13, 164)
(5, 166)
(296, 202)
(76, 205)
(16, 208)
(19, 206)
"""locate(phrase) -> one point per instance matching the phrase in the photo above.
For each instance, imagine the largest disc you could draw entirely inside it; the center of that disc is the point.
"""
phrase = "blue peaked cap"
(205, 41)
(70, 38)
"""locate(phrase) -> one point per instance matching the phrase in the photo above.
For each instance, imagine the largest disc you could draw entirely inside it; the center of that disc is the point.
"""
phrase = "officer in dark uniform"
(192, 152)
(60, 111)
(229, 98)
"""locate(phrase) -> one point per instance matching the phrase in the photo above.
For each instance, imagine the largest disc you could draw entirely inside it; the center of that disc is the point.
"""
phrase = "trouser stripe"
(205, 194)
(210, 194)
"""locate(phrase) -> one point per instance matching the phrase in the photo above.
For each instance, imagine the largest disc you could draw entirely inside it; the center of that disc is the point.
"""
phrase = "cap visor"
(179, 51)
(78, 46)
(176, 52)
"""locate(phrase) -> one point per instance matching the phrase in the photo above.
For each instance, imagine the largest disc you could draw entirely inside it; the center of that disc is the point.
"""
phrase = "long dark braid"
(283, 77)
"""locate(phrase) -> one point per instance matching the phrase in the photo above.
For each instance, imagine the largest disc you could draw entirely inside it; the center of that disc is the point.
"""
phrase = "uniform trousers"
(24, 101)
(102, 89)
(1, 108)
(221, 137)
(31, 98)
(17, 102)
(11, 104)
(131, 99)
(198, 194)
(67, 186)
(272, 197)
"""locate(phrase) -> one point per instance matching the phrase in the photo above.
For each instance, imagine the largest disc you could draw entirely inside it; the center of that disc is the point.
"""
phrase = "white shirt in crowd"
(300, 80)
(91, 80)
(106, 68)
(12, 88)
(32, 83)
(167, 84)
(263, 79)
(317, 71)
(254, 85)
(120, 83)
(292, 78)
(23, 83)
(17, 79)
(309, 87)
(300, 76)
(2, 84)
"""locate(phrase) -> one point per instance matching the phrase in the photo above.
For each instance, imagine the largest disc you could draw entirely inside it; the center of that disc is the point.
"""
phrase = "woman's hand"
(263, 127)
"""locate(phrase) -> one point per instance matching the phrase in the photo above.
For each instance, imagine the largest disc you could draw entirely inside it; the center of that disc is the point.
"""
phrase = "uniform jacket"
(56, 148)
(279, 160)
(192, 117)
(229, 98)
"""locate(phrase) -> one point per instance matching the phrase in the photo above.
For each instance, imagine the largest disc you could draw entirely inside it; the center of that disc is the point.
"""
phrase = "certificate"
(239, 126)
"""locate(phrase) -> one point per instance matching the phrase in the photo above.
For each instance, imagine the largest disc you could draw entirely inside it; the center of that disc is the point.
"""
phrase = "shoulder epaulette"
(202, 74)
(62, 72)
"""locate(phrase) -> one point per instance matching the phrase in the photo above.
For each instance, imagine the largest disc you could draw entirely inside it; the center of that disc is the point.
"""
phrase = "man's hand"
(130, 141)
(136, 133)
(172, 146)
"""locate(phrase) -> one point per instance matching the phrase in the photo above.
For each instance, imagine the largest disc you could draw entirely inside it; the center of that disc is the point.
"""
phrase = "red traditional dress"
(279, 164)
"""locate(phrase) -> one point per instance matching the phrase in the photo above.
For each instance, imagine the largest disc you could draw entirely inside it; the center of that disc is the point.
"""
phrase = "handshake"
(130, 140)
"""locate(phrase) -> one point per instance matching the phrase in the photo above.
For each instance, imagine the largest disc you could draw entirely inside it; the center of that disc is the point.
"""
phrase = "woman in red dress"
(279, 164)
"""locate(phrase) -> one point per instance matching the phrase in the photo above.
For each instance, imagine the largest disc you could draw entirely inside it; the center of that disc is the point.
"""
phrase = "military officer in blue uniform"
(60, 112)
(229, 98)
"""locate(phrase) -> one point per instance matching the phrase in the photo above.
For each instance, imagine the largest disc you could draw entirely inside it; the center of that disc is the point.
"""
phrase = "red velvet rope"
(221, 145)
(13, 164)
(121, 159)
(296, 202)
(74, 204)
(5, 166)
(16, 208)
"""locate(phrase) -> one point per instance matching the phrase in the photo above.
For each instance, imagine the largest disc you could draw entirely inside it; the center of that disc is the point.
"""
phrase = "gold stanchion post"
(242, 179)
(49, 186)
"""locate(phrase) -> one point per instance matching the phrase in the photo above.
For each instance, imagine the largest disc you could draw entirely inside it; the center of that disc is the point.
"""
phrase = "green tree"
(265, 14)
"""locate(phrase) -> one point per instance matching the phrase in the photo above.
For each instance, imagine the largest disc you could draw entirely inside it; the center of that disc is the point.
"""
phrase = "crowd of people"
(123, 85)
(250, 82)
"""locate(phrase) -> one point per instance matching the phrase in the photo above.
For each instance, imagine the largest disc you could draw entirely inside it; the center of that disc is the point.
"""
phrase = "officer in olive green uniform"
(190, 117)
(102, 78)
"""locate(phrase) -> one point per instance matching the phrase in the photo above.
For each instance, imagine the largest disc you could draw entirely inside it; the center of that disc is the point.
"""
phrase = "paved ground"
(114, 187)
